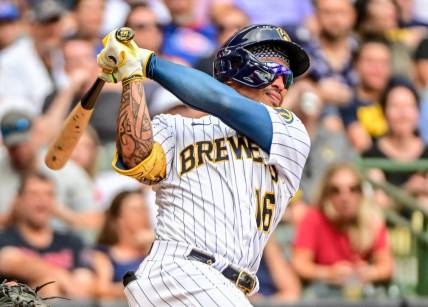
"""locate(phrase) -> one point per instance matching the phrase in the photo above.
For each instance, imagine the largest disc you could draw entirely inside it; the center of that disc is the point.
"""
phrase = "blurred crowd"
(366, 95)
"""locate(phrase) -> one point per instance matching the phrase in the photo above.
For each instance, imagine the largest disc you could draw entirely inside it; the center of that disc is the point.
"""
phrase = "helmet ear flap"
(227, 63)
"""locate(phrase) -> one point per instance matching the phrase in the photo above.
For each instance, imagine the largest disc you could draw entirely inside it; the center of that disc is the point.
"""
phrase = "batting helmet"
(234, 61)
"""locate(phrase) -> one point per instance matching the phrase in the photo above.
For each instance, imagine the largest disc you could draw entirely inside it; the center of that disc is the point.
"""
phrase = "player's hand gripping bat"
(60, 150)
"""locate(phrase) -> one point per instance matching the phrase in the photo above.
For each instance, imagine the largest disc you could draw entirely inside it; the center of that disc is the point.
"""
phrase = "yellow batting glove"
(122, 59)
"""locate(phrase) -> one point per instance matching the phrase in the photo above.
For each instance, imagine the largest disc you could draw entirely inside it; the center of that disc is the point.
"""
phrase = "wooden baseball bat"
(77, 121)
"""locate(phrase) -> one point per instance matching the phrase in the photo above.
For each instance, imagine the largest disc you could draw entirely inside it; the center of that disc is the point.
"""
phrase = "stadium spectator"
(420, 60)
(81, 70)
(363, 117)
(185, 37)
(88, 16)
(22, 154)
(123, 242)
(227, 20)
(277, 280)
(148, 34)
(30, 67)
(400, 104)
(328, 144)
(96, 161)
(407, 14)
(10, 24)
(86, 152)
(382, 17)
(331, 52)
(292, 15)
(344, 237)
(148, 29)
(30, 240)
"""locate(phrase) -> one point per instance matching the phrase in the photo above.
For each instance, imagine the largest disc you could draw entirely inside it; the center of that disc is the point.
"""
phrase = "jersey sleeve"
(290, 145)
(157, 166)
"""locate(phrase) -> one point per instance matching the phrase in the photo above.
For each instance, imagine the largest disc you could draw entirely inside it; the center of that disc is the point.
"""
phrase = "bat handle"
(90, 98)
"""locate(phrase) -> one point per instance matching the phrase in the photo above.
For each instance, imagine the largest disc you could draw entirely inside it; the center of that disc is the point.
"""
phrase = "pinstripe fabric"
(223, 195)
(167, 278)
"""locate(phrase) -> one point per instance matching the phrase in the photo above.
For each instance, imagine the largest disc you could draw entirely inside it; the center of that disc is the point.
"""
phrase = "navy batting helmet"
(236, 60)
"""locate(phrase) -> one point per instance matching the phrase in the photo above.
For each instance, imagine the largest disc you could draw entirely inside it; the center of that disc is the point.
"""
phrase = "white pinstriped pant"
(167, 278)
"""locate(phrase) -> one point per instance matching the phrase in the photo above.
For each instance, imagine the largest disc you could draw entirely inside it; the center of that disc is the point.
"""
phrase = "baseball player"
(223, 181)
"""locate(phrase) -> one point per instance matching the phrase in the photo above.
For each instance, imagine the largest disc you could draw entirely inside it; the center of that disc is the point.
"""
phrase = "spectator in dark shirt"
(363, 117)
(331, 51)
(123, 243)
(400, 103)
(30, 239)
(277, 280)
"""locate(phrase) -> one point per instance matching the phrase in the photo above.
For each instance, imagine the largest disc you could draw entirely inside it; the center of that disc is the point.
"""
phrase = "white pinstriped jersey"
(222, 193)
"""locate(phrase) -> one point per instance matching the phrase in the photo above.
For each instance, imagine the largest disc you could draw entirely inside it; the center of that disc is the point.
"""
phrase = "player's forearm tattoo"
(134, 130)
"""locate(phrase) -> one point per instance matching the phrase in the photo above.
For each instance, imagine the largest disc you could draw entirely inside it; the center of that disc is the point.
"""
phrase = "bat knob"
(125, 34)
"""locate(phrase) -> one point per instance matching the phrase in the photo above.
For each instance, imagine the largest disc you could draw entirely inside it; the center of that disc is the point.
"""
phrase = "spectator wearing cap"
(10, 26)
(21, 154)
(31, 66)
(420, 61)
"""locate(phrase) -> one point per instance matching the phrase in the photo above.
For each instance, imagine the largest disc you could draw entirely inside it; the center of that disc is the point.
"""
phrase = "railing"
(418, 228)
(413, 302)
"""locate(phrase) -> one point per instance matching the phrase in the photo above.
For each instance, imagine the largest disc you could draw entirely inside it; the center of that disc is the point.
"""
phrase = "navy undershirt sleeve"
(202, 92)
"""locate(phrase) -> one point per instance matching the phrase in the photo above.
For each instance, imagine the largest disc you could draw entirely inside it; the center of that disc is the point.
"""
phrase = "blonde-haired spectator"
(344, 238)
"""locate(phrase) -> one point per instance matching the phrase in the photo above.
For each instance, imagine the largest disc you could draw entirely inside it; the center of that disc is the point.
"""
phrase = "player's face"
(271, 95)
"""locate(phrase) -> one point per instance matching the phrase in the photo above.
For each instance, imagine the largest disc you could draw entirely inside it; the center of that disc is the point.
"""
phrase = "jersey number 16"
(265, 207)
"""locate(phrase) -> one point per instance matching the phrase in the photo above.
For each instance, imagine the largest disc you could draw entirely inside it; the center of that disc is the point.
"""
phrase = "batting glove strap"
(133, 78)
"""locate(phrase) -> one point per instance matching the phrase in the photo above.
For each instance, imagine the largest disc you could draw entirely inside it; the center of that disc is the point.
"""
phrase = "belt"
(243, 280)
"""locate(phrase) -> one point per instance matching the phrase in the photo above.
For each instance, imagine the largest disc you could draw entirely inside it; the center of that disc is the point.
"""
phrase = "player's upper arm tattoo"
(134, 139)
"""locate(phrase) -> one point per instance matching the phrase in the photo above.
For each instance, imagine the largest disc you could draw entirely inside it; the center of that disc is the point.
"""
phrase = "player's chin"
(273, 100)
